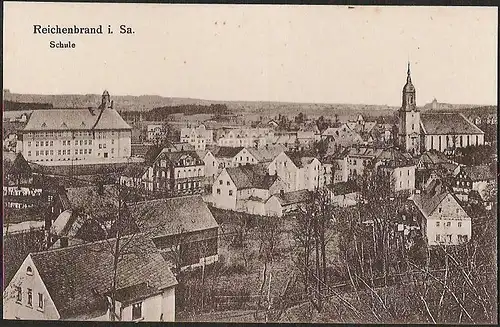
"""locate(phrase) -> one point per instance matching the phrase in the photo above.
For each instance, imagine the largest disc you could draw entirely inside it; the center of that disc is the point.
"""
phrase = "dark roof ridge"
(84, 244)
(165, 199)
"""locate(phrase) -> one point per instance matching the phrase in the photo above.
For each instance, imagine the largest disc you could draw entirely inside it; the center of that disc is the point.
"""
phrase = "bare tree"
(109, 209)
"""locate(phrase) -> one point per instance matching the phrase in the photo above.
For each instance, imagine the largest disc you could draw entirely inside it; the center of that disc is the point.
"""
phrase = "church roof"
(444, 123)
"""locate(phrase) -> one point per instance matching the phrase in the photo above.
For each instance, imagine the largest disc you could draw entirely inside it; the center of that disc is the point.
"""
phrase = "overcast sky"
(321, 54)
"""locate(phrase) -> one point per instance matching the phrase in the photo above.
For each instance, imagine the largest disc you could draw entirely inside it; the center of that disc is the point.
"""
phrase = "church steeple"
(408, 74)
(409, 96)
(409, 118)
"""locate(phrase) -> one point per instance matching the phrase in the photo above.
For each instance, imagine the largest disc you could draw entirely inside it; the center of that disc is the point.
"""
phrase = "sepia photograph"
(250, 163)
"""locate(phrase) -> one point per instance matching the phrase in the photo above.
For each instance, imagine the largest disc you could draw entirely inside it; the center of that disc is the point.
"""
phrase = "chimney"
(438, 187)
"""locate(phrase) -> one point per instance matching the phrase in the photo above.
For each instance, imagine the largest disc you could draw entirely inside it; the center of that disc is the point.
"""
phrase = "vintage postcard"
(250, 163)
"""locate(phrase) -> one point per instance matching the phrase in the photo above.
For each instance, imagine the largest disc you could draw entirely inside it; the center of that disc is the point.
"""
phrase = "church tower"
(409, 119)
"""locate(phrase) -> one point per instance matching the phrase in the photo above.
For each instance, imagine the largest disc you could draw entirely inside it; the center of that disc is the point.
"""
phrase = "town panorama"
(199, 212)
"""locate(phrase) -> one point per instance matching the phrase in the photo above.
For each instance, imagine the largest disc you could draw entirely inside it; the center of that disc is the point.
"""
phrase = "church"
(443, 131)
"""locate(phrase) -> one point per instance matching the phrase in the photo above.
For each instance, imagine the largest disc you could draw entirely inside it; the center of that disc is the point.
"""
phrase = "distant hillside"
(145, 103)
(16, 106)
(121, 102)
(149, 102)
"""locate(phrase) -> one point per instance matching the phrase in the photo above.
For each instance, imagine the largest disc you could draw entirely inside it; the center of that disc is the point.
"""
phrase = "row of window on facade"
(462, 183)
(230, 192)
(63, 152)
(29, 298)
(451, 138)
(448, 223)
(64, 143)
(354, 162)
(29, 293)
(446, 238)
(187, 185)
(17, 205)
(68, 134)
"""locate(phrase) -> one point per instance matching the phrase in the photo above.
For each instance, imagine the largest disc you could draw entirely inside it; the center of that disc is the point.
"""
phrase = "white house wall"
(15, 310)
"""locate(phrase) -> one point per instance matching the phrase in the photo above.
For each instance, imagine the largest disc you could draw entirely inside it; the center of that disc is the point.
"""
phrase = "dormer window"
(29, 271)
(44, 125)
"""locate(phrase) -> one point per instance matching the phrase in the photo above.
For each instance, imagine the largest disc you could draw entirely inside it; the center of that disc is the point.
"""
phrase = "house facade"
(233, 157)
(245, 137)
(283, 203)
(76, 136)
(343, 194)
(176, 173)
(245, 188)
(444, 221)
(471, 178)
(183, 229)
(74, 283)
(199, 137)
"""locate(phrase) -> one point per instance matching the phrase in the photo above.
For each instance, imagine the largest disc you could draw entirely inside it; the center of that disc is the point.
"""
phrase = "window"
(40, 301)
(29, 153)
(30, 297)
(19, 294)
(112, 141)
(90, 142)
(84, 151)
(90, 151)
(51, 143)
(230, 192)
(46, 152)
(459, 224)
(104, 145)
(448, 224)
(136, 311)
(220, 182)
(218, 191)
(440, 209)
(64, 152)
(37, 153)
(58, 152)
(437, 223)
(438, 238)
(100, 146)
(29, 271)
(29, 143)
(36, 143)
(227, 183)
(51, 152)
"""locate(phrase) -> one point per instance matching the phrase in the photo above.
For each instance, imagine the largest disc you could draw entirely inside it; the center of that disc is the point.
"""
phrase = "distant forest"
(13, 105)
(161, 113)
